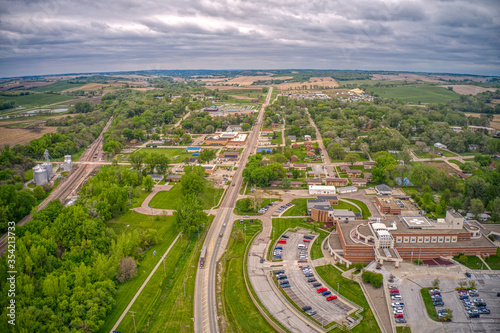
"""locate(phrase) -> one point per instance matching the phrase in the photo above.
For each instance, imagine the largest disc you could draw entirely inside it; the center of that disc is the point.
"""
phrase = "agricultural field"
(95, 86)
(34, 100)
(442, 166)
(59, 86)
(495, 123)
(313, 83)
(466, 89)
(416, 94)
(403, 77)
(12, 136)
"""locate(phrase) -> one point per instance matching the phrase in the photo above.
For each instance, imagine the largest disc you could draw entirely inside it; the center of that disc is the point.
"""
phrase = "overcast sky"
(62, 36)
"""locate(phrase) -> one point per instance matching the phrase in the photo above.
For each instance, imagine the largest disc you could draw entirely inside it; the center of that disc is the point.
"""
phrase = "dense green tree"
(189, 214)
(148, 183)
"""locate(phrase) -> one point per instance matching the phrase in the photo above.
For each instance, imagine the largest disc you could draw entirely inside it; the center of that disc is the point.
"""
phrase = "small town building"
(322, 189)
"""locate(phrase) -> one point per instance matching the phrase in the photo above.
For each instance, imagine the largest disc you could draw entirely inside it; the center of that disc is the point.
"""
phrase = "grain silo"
(67, 165)
(40, 175)
(48, 167)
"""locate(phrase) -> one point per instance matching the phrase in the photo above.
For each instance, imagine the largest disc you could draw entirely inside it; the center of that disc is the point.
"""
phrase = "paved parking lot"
(302, 292)
(419, 321)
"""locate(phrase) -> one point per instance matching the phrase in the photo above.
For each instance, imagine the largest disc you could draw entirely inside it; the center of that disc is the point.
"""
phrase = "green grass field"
(493, 262)
(128, 222)
(278, 140)
(352, 291)
(241, 314)
(34, 100)
(473, 262)
(299, 208)
(416, 94)
(170, 153)
(431, 309)
(422, 154)
(403, 329)
(316, 247)
(170, 199)
(167, 302)
(456, 162)
(59, 86)
(364, 208)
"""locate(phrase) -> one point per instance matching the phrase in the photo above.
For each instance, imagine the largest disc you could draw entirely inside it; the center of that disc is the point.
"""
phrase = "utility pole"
(164, 271)
(133, 317)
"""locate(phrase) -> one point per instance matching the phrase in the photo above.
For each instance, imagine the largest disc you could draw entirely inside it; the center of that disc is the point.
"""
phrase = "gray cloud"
(61, 36)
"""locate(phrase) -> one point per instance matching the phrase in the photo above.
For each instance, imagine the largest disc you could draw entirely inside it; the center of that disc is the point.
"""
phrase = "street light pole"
(184, 283)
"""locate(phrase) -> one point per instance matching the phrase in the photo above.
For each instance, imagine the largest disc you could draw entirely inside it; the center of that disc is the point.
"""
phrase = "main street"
(205, 308)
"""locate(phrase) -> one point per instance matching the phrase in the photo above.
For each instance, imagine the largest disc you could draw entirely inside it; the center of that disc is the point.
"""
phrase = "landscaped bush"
(376, 279)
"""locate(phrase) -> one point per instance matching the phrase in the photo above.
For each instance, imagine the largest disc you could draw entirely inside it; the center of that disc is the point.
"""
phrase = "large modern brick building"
(398, 238)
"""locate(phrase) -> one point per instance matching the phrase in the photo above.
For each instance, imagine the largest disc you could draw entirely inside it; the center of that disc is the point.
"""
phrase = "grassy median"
(240, 312)
(429, 306)
(353, 292)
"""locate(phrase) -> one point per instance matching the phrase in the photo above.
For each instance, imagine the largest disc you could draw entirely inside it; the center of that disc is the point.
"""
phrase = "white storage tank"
(40, 175)
(48, 167)
(67, 165)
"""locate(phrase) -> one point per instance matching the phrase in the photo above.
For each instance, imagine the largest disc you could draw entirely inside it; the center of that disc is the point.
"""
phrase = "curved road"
(205, 308)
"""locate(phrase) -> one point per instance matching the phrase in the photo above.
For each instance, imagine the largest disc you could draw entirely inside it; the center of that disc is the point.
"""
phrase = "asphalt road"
(205, 309)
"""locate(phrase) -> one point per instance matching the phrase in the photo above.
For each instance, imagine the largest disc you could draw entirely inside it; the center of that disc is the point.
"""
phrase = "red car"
(307, 240)
(320, 290)
(282, 241)
(331, 298)
(394, 291)
(399, 315)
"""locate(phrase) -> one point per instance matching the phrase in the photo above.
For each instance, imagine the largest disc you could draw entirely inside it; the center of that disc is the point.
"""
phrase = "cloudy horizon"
(61, 36)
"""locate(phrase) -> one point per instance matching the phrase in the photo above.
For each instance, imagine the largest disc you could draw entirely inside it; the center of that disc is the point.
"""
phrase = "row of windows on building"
(427, 239)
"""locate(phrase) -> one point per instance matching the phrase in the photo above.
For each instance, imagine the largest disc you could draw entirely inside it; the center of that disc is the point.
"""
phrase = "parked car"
(309, 275)
(284, 236)
(331, 298)
(317, 284)
(326, 293)
(306, 308)
(467, 274)
(396, 297)
(474, 315)
(282, 241)
(312, 313)
(311, 280)
(397, 311)
(398, 304)
(285, 285)
(398, 315)
(308, 237)
(394, 291)
(400, 320)
(484, 311)
(307, 240)
(282, 277)
(283, 281)
(320, 290)
(438, 303)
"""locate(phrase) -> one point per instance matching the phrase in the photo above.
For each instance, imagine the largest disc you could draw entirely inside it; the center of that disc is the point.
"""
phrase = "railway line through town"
(70, 186)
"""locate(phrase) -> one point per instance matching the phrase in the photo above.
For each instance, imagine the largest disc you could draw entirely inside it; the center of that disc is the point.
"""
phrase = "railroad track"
(72, 183)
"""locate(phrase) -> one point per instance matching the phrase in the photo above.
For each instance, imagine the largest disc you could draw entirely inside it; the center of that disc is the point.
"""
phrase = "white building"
(347, 189)
(322, 189)
(440, 145)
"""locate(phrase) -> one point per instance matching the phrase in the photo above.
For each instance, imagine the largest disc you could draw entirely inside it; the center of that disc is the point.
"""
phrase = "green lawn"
(473, 262)
(278, 140)
(352, 291)
(169, 199)
(447, 153)
(299, 208)
(422, 154)
(416, 94)
(346, 205)
(493, 262)
(34, 100)
(431, 309)
(167, 302)
(241, 313)
(456, 162)
(240, 211)
(403, 329)
(411, 190)
(363, 206)
(170, 153)
(316, 247)
(59, 86)
(129, 222)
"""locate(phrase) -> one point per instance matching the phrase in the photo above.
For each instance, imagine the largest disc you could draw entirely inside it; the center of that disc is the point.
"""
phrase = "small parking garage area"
(303, 283)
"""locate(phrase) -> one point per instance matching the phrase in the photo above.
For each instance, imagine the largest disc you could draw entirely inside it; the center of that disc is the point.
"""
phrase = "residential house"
(336, 181)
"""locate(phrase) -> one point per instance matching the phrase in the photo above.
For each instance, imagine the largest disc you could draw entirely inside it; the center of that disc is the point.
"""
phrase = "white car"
(396, 297)
(397, 312)
(398, 304)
